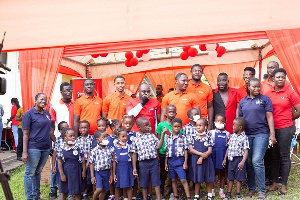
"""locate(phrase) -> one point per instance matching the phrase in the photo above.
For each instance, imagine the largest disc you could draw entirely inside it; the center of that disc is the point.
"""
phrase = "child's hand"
(224, 163)
(185, 166)
(115, 178)
(54, 169)
(63, 178)
(167, 168)
(204, 156)
(93, 180)
(241, 165)
(83, 174)
(135, 174)
(166, 131)
(110, 179)
(199, 161)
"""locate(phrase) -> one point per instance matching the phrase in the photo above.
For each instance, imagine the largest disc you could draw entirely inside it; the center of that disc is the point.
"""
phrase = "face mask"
(196, 117)
(203, 133)
(219, 125)
(71, 142)
(104, 142)
(122, 143)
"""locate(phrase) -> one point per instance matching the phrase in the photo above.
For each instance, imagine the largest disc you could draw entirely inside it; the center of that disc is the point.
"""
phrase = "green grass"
(17, 186)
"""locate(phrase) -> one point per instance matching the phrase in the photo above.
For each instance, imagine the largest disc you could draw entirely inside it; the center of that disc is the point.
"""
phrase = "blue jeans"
(1, 129)
(53, 184)
(37, 159)
(15, 133)
(255, 169)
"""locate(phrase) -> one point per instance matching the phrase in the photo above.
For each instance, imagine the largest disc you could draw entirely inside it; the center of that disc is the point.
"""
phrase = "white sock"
(196, 196)
(212, 190)
(221, 190)
(125, 198)
(133, 197)
(209, 194)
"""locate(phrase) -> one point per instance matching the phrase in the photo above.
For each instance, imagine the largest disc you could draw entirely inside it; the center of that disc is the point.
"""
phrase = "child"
(101, 160)
(176, 157)
(127, 124)
(189, 129)
(170, 115)
(102, 123)
(84, 141)
(71, 165)
(145, 145)
(220, 138)
(122, 166)
(201, 167)
(237, 153)
(55, 177)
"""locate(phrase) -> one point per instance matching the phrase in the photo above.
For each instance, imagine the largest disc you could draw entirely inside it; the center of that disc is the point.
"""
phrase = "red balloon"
(129, 55)
(186, 48)
(193, 52)
(202, 47)
(134, 62)
(184, 55)
(95, 55)
(103, 54)
(221, 50)
(139, 54)
(127, 63)
(217, 46)
(146, 51)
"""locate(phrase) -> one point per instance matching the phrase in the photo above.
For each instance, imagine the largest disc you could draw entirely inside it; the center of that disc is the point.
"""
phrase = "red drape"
(68, 71)
(234, 71)
(132, 83)
(286, 44)
(38, 71)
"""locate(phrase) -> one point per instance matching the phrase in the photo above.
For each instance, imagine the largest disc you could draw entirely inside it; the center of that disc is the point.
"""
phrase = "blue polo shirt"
(39, 128)
(254, 112)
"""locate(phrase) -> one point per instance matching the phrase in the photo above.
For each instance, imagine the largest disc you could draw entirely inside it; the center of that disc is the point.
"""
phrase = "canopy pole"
(260, 64)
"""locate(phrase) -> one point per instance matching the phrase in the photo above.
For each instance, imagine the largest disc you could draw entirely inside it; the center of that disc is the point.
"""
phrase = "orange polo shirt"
(204, 94)
(267, 87)
(183, 102)
(241, 93)
(115, 105)
(283, 101)
(89, 109)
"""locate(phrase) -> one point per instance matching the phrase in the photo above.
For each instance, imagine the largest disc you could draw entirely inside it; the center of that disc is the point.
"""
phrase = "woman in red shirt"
(14, 122)
(284, 100)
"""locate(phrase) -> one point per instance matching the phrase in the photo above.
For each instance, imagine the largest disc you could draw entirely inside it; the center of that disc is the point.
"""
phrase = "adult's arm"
(52, 136)
(199, 110)
(25, 145)
(76, 124)
(210, 113)
(19, 115)
(104, 114)
(270, 120)
(296, 114)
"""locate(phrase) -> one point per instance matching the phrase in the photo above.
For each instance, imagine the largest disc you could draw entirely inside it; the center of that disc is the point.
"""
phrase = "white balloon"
(213, 54)
(211, 47)
(146, 57)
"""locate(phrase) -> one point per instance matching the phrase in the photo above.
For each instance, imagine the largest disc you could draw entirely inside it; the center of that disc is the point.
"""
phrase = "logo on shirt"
(258, 102)
(124, 104)
(282, 97)
(75, 152)
(97, 103)
(201, 92)
(184, 99)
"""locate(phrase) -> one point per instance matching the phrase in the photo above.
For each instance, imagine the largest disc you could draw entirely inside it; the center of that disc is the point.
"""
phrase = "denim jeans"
(1, 129)
(255, 169)
(14, 129)
(280, 153)
(53, 184)
(20, 143)
(37, 159)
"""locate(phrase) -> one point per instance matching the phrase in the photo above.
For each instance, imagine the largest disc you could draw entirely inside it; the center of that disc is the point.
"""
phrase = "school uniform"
(204, 173)
(145, 145)
(175, 148)
(236, 146)
(57, 146)
(130, 136)
(220, 139)
(102, 158)
(72, 159)
(124, 168)
(112, 140)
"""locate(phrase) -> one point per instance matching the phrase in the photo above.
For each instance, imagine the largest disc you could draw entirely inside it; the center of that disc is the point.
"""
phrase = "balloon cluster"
(131, 61)
(214, 50)
(188, 51)
(101, 54)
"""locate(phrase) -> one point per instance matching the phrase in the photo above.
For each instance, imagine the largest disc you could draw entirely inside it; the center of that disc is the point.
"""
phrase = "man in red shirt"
(249, 73)
(144, 106)
(225, 101)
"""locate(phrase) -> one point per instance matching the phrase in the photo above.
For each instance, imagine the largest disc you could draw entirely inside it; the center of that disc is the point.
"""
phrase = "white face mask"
(219, 125)
(122, 143)
(104, 142)
(71, 142)
(196, 117)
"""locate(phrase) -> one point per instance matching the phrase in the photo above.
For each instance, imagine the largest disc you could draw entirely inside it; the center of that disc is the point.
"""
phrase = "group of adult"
(267, 108)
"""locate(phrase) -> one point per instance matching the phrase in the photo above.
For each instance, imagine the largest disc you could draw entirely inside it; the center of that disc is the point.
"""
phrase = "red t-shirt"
(283, 101)
(13, 113)
(149, 110)
(241, 93)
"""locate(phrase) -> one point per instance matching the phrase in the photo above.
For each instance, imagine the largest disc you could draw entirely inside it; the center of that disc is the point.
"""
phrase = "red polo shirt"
(204, 94)
(241, 93)
(283, 101)
(149, 111)
(183, 102)
(267, 87)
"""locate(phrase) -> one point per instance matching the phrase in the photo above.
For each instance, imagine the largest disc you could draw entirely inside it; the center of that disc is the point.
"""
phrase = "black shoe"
(52, 196)
(20, 159)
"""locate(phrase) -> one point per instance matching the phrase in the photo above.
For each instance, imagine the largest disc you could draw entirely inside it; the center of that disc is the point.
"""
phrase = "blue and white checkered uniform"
(189, 130)
(130, 136)
(102, 158)
(76, 150)
(237, 144)
(180, 145)
(85, 144)
(58, 144)
(145, 145)
(208, 142)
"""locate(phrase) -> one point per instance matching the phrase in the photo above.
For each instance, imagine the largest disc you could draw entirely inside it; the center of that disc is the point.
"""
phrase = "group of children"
(116, 162)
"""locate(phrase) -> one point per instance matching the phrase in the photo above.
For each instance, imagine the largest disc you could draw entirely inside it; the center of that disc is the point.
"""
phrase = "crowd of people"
(191, 134)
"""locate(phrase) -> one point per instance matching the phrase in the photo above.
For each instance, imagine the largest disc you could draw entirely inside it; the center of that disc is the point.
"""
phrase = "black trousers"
(163, 172)
(20, 143)
(280, 154)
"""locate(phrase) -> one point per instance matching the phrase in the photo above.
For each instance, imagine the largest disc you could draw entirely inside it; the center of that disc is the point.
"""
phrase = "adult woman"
(14, 122)
(284, 99)
(36, 144)
(257, 110)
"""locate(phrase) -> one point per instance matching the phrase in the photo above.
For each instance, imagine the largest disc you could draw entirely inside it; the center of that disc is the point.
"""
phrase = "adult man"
(88, 107)
(225, 101)
(144, 106)
(184, 101)
(268, 84)
(159, 93)
(203, 92)
(249, 73)
(114, 105)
